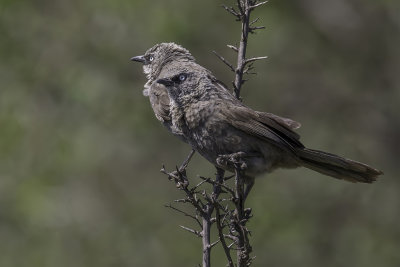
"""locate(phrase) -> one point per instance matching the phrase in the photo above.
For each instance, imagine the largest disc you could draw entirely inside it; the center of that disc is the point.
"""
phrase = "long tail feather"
(337, 167)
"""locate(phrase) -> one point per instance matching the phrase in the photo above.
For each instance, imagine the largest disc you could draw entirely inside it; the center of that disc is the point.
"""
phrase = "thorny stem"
(208, 210)
(220, 228)
(244, 7)
(206, 241)
(243, 245)
(233, 217)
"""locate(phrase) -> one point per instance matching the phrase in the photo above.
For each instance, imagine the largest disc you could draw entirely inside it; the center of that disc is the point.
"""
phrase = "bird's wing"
(288, 124)
(262, 125)
(159, 100)
(285, 122)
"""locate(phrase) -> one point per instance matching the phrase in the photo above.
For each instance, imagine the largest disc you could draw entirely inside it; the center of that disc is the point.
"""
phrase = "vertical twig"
(233, 217)
(208, 211)
(243, 245)
(206, 240)
(241, 215)
(244, 7)
(220, 228)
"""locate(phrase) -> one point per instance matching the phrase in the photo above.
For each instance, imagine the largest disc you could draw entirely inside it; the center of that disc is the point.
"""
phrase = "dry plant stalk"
(214, 201)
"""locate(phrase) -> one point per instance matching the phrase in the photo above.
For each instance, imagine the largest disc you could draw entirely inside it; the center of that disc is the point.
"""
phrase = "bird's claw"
(235, 159)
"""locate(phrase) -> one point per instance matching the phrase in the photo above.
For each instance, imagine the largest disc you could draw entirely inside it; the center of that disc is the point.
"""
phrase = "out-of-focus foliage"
(80, 148)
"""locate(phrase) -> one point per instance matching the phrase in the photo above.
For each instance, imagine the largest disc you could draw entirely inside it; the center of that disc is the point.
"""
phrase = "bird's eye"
(179, 78)
(151, 58)
(182, 77)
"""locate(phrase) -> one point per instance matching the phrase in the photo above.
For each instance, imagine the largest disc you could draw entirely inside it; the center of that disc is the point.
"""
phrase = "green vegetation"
(80, 150)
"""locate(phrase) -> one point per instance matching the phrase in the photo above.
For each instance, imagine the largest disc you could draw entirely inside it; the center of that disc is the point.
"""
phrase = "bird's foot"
(235, 159)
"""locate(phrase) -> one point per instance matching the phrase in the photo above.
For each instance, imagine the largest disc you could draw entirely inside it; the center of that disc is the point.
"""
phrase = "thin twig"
(234, 48)
(225, 61)
(253, 29)
(222, 237)
(232, 11)
(187, 160)
(249, 60)
(197, 233)
(184, 213)
(257, 5)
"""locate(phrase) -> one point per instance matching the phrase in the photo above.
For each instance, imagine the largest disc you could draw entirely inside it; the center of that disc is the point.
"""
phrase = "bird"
(220, 127)
(204, 113)
(153, 61)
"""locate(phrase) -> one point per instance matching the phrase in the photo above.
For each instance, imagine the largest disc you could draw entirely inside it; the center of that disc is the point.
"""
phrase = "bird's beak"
(139, 59)
(166, 82)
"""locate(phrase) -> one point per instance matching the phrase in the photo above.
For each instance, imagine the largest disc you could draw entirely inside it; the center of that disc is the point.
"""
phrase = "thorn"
(231, 237)
(257, 5)
(249, 60)
(197, 233)
(225, 61)
(198, 185)
(213, 244)
(254, 21)
(234, 48)
(233, 243)
(232, 11)
(182, 200)
(253, 29)
(163, 169)
(228, 177)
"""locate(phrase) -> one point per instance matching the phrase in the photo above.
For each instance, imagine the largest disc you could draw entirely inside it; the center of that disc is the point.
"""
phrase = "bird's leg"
(237, 160)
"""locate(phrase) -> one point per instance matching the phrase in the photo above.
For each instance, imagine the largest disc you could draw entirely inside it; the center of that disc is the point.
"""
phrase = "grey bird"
(226, 132)
(153, 61)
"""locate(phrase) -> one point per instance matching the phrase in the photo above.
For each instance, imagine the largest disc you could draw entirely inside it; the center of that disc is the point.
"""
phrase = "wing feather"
(159, 100)
(263, 127)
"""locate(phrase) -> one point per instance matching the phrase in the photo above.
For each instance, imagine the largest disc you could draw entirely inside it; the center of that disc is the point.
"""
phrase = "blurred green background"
(80, 149)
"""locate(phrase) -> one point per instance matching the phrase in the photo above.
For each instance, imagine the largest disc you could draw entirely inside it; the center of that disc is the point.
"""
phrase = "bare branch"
(257, 5)
(225, 61)
(232, 11)
(222, 237)
(187, 160)
(184, 213)
(233, 243)
(213, 244)
(182, 200)
(249, 60)
(228, 177)
(254, 21)
(234, 48)
(199, 184)
(249, 68)
(253, 29)
(231, 237)
(215, 183)
(197, 233)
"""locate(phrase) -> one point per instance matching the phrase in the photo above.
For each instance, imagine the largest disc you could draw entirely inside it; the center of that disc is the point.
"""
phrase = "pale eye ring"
(182, 77)
(151, 58)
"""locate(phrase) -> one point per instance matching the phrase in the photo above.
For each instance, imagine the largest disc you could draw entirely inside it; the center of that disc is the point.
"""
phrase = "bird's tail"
(337, 167)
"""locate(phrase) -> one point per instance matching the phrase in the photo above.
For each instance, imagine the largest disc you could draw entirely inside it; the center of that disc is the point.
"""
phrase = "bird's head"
(160, 55)
(186, 82)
